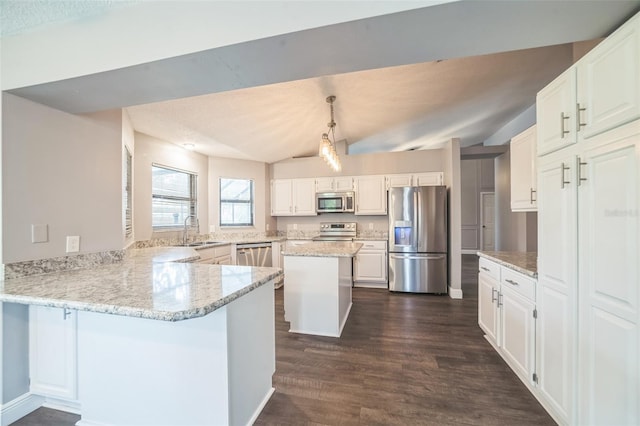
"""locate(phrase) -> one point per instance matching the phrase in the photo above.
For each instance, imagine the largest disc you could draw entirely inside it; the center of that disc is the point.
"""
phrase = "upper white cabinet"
(336, 184)
(523, 171)
(371, 195)
(293, 197)
(608, 82)
(415, 179)
(600, 92)
(555, 108)
(53, 352)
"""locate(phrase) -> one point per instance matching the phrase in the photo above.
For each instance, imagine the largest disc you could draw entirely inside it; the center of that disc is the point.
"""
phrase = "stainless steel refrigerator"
(418, 239)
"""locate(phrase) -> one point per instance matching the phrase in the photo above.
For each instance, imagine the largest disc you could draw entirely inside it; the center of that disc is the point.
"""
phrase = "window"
(236, 202)
(128, 194)
(173, 197)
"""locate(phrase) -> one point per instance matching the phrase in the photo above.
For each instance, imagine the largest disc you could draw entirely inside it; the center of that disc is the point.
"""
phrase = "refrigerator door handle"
(416, 219)
(417, 257)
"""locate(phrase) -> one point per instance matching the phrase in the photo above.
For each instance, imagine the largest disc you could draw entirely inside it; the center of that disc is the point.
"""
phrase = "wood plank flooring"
(402, 360)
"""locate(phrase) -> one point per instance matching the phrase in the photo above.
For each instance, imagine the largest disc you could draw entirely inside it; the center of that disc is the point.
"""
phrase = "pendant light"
(327, 149)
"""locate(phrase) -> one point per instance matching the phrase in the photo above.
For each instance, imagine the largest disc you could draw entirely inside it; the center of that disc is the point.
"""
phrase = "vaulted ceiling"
(408, 80)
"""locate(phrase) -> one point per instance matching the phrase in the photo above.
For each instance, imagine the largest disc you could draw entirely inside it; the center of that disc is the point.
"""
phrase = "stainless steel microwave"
(335, 202)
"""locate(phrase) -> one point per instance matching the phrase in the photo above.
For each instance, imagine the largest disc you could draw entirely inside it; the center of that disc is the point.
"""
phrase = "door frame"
(482, 195)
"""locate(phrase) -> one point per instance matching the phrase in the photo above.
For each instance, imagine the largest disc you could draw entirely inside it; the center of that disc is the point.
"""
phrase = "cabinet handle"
(579, 164)
(562, 181)
(562, 130)
(493, 295)
(531, 192)
(579, 123)
(485, 269)
(65, 313)
(500, 298)
(512, 282)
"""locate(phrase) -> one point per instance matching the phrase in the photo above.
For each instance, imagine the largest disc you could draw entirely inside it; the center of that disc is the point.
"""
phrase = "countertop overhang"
(324, 249)
(524, 262)
(155, 283)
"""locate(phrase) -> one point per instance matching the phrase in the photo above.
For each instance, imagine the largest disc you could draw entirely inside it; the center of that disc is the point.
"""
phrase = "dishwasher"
(256, 254)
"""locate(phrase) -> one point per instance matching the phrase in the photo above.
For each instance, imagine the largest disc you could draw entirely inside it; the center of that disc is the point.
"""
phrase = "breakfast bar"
(317, 287)
(164, 341)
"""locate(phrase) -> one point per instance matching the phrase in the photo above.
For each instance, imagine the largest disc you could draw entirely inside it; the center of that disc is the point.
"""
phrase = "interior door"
(488, 219)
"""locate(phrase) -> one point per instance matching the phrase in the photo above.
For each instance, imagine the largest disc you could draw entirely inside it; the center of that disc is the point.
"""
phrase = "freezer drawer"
(418, 273)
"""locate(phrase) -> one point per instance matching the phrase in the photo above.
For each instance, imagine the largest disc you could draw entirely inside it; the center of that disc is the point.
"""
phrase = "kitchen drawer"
(224, 250)
(490, 268)
(372, 245)
(520, 283)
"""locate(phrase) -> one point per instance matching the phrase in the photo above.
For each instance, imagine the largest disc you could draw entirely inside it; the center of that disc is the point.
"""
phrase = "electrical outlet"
(267, 226)
(73, 244)
(295, 226)
(371, 226)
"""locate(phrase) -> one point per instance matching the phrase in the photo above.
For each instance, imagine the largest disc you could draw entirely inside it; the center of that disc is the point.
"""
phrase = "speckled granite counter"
(148, 283)
(324, 249)
(524, 262)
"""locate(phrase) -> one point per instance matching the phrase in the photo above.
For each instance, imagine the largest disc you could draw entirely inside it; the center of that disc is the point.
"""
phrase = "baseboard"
(469, 251)
(455, 293)
(19, 407)
(72, 407)
(253, 418)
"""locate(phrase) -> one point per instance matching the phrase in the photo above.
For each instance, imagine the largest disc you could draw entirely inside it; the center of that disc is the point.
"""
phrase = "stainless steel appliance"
(418, 239)
(336, 231)
(335, 202)
(256, 254)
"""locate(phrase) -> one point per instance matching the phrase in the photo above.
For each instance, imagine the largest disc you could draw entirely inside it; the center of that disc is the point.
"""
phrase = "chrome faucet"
(185, 233)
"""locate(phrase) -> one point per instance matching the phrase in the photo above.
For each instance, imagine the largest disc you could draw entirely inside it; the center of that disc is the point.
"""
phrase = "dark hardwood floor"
(402, 360)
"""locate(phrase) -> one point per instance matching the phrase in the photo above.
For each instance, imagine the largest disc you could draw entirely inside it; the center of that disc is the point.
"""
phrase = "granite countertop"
(524, 262)
(148, 283)
(324, 249)
(370, 238)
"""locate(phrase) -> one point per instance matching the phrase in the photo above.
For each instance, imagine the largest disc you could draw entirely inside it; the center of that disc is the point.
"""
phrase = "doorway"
(487, 221)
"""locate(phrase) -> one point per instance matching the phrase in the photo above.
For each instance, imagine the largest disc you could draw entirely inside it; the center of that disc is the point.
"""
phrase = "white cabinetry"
(370, 264)
(293, 197)
(506, 313)
(337, 184)
(219, 255)
(415, 179)
(53, 352)
(523, 171)
(371, 195)
(589, 237)
(600, 92)
(609, 277)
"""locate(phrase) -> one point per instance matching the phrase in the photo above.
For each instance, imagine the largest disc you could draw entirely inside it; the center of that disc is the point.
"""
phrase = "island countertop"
(324, 249)
(523, 262)
(152, 283)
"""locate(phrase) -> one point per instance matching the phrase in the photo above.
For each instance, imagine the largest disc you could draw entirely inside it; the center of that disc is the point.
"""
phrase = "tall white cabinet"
(588, 294)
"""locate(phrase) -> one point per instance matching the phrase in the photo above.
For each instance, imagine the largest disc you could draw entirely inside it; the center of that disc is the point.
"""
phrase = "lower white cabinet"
(370, 264)
(507, 314)
(218, 255)
(53, 352)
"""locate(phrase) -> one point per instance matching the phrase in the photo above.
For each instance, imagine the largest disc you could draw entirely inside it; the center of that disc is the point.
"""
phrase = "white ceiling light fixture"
(327, 149)
(189, 146)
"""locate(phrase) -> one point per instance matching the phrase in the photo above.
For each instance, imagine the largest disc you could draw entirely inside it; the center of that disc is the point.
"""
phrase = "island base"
(211, 370)
(317, 294)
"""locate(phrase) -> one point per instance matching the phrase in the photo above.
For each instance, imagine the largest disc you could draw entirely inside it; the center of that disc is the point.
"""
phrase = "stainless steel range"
(336, 231)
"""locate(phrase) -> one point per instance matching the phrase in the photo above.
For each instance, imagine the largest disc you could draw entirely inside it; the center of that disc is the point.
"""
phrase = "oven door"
(329, 203)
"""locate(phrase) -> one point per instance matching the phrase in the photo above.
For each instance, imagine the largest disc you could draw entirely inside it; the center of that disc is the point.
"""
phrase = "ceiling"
(447, 78)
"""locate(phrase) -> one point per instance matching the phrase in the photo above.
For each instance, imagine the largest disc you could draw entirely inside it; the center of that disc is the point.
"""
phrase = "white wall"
(240, 169)
(476, 176)
(61, 170)
(149, 151)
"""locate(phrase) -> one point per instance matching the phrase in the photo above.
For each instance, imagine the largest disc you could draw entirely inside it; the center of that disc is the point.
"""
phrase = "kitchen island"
(162, 341)
(317, 287)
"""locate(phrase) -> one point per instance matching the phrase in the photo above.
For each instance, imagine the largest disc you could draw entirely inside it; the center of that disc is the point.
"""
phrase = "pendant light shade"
(327, 148)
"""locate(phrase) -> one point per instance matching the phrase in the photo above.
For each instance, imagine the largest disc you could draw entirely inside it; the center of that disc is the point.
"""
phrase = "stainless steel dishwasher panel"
(258, 254)
(418, 273)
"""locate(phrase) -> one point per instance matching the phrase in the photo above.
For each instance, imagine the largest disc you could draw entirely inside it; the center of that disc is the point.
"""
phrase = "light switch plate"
(73, 244)
(39, 233)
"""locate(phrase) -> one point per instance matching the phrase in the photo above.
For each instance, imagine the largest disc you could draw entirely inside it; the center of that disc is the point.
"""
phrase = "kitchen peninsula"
(317, 287)
(164, 341)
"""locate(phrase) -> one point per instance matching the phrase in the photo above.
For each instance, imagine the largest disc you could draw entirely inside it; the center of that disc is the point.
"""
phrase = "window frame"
(192, 200)
(251, 202)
